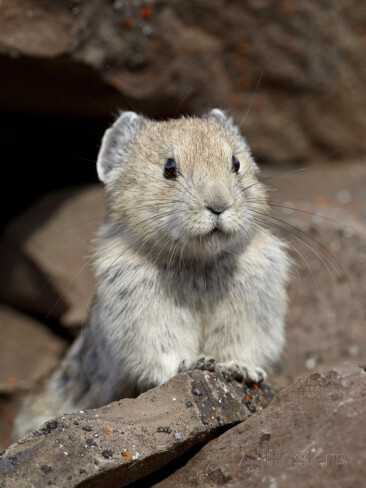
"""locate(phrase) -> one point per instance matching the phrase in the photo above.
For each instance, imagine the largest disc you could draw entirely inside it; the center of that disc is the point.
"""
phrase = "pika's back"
(186, 188)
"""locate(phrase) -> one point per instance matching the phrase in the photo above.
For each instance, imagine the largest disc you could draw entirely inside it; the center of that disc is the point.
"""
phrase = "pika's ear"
(116, 143)
(221, 117)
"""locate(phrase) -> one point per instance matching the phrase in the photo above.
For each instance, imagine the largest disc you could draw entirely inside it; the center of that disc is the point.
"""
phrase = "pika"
(186, 273)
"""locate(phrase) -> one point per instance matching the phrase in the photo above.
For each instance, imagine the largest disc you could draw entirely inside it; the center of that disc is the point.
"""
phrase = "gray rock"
(127, 440)
(44, 265)
(312, 434)
(28, 349)
(21, 364)
(325, 324)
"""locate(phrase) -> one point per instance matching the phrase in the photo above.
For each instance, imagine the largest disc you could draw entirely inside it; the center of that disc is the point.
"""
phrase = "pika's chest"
(200, 290)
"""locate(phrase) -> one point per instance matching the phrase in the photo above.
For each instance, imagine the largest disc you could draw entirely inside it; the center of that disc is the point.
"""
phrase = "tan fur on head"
(184, 267)
(176, 213)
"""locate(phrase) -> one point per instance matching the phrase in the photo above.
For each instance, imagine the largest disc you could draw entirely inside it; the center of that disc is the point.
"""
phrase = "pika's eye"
(236, 164)
(170, 169)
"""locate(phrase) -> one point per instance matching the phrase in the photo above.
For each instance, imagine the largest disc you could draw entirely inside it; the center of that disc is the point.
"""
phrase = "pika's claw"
(205, 364)
(182, 368)
(241, 371)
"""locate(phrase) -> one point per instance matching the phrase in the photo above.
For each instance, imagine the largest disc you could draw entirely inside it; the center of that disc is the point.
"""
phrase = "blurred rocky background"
(293, 75)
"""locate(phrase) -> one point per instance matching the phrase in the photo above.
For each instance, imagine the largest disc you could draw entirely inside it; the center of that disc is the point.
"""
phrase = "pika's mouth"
(217, 230)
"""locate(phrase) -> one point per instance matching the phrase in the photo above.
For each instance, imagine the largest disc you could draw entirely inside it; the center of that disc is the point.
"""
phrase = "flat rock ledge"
(127, 440)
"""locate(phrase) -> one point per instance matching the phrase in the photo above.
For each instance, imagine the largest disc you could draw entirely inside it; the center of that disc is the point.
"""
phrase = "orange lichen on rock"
(12, 382)
(128, 23)
(145, 12)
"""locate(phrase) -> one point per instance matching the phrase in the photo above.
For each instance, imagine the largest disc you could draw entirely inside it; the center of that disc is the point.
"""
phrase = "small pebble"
(344, 196)
(118, 4)
(196, 391)
(310, 363)
(107, 453)
(147, 30)
(335, 245)
(251, 407)
(352, 350)
(166, 430)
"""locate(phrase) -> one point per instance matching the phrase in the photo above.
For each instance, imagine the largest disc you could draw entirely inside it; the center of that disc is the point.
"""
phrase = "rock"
(326, 317)
(23, 284)
(44, 264)
(303, 62)
(312, 434)
(9, 403)
(127, 440)
(28, 349)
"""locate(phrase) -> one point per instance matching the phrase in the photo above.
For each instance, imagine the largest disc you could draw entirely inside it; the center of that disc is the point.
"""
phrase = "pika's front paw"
(238, 370)
(241, 371)
(204, 364)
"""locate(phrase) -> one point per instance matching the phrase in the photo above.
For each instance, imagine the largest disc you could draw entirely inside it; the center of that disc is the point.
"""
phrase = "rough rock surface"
(21, 364)
(322, 211)
(45, 265)
(312, 434)
(28, 349)
(164, 57)
(10, 401)
(126, 440)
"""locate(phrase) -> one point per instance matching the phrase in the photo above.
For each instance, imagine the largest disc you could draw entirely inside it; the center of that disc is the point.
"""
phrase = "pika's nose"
(218, 202)
(216, 209)
(217, 198)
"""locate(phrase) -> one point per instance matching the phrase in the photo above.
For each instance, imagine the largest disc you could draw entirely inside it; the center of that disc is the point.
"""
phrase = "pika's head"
(183, 188)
